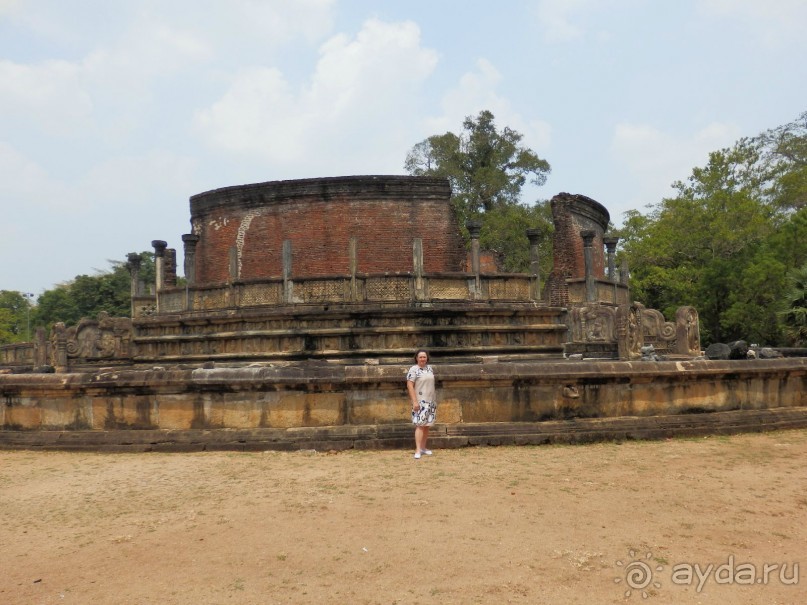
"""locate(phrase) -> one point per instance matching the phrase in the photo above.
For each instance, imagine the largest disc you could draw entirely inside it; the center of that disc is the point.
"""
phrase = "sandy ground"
(607, 523)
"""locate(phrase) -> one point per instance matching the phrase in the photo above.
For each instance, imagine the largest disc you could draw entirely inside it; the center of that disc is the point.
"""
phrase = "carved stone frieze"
(687, 328)
(630, 335)
(657, 331)
(92, 339)
(593, 323)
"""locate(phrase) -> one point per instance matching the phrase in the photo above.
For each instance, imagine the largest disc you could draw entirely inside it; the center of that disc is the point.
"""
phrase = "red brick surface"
(319, 217)
(572, 214)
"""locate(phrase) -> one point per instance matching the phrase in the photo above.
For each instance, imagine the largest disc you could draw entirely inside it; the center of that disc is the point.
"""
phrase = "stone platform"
(328, 406)
(399, 436)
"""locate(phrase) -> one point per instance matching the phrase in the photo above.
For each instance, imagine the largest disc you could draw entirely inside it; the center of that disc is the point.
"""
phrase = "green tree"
(794, 303)
(692, 248)
(504, 232)
(14, 316)
(487, 170)
(784, 151)
(727, 240)
(88, 295)
(56, 305)
(7, 325)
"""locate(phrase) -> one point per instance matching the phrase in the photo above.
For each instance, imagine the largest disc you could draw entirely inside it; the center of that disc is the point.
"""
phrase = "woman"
(420, 385)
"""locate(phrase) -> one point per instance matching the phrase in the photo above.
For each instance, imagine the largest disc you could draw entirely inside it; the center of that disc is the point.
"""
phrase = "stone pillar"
(591, 286)
(610, 246)
(190, 240)
(288, 284)
(624, 274)
(58, 350)
(417, 261)
(353, 259)
(474, 227)
(170, 267)
(159, 263)
(41, 354)
(159, 269)
(232, 264)
(133, 264)
(534, 235)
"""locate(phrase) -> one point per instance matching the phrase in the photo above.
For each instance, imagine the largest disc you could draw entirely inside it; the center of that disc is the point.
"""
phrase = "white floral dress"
(423, 379)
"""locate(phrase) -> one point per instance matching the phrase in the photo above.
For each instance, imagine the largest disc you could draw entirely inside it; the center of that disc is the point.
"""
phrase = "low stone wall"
(388, 436)
(18, 354)
(311, 395)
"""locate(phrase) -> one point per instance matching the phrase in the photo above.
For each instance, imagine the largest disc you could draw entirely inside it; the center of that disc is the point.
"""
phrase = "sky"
(113, 113)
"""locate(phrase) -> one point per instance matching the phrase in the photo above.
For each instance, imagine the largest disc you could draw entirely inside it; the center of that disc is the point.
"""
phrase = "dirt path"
(552, 524)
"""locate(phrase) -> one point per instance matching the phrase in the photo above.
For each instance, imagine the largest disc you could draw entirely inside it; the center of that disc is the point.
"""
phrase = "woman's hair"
(419, 351)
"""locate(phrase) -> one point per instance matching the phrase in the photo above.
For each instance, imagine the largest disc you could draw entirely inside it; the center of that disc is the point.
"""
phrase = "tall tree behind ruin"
(487, 169)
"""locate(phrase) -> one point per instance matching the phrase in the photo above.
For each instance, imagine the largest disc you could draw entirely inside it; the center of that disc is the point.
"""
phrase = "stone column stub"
(588, 241)
(353, 261)
(534, 236)
(159, 264)
(190, 240)
(232, 263)
(474, 228)
(624, 272)
(133, 263)
(170, 267)
(610, 246)
(288, 284)
(159, 247)
(417, 263)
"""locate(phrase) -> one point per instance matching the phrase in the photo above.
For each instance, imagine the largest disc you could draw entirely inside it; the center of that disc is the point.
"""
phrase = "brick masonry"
(572, 214)
(319, 217)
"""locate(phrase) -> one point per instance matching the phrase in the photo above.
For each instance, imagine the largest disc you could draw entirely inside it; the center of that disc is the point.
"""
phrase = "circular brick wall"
(572, 214)
(242, 228)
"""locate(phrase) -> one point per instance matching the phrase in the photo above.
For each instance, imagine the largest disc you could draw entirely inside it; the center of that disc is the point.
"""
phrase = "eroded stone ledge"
(397, 436)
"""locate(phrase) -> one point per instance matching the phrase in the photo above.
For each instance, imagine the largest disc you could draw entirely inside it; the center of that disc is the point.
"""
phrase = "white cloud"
(49, 95)
(24, 182)
(360, 88)
(148, 177)
(774, 22)
(653, 159)
(559, 19)
(281, 20)
(8, 6)
(255, 114)
(145, 178)
(474, 92)
(152, 47)
(62, 98)
(477, 91)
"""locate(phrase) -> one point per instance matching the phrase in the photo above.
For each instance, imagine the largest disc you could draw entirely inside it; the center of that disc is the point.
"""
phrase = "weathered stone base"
(328, 406)
(398, 436)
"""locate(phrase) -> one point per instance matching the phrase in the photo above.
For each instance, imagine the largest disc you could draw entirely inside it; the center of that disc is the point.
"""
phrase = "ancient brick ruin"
(302, 302)
(352, 269)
